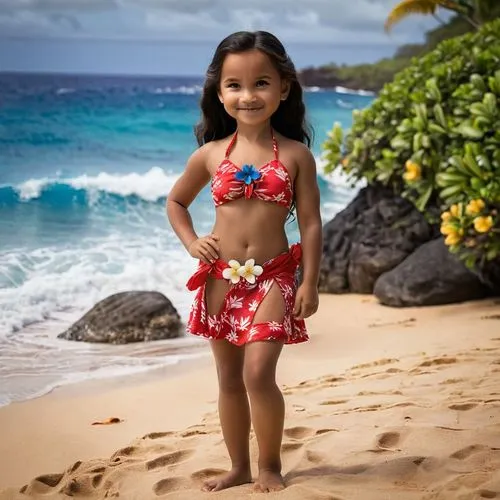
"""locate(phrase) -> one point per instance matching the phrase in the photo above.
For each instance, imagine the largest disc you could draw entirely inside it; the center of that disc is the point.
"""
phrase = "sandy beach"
(381, 404)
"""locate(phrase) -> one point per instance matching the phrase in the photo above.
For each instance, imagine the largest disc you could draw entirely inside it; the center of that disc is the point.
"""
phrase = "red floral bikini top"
(271, 182)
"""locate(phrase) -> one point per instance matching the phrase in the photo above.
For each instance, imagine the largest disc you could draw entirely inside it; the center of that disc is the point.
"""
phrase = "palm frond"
(408, 7)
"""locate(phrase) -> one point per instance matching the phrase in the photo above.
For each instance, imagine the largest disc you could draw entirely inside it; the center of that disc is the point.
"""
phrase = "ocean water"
(86, 164)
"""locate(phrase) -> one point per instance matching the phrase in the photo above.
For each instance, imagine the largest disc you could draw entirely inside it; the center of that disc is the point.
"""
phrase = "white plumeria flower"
(231, 273)
(249, 271)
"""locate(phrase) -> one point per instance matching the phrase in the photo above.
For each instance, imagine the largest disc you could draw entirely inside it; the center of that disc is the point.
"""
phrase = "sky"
(178, 37)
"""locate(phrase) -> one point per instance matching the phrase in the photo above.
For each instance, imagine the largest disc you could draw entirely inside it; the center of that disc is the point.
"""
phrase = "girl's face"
(250, 87)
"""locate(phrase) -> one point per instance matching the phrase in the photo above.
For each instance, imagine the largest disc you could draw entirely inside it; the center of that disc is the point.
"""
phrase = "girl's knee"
(258, 379)
(230, 380)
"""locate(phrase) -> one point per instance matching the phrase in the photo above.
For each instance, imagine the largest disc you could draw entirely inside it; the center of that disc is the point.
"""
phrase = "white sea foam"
(76, 277)
(150, 186)
(344, 90)
(186, 90)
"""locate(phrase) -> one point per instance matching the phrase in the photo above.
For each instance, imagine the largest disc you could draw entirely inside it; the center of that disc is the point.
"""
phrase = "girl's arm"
(310, 227)
(182, 194)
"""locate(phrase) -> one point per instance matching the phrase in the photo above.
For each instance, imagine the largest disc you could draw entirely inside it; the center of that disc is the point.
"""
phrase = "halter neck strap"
(233, 140)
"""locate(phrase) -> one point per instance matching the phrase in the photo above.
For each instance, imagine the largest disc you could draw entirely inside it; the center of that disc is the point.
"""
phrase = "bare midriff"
(251, 229)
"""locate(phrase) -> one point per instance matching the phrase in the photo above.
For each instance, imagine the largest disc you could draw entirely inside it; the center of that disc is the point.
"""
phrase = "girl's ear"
(285, 90)
(219, 95)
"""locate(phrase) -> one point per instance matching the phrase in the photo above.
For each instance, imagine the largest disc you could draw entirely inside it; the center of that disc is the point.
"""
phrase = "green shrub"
(433, 135)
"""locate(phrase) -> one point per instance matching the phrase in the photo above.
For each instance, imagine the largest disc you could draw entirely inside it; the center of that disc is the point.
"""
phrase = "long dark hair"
(289, 119)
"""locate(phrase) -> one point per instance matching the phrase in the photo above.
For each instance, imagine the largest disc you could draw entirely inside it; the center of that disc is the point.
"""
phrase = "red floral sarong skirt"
(234, 322)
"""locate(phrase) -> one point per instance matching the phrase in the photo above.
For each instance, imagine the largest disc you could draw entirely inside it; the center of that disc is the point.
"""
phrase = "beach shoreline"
(402, 403)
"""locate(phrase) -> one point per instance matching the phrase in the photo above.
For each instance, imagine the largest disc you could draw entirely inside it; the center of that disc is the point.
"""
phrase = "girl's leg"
(266, 400)
(268, 410)
(234, 414)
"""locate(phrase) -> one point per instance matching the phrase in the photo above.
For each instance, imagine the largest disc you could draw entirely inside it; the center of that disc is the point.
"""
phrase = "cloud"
(315, 21)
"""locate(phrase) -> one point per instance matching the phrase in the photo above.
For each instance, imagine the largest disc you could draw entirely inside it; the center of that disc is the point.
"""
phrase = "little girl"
(254, 150)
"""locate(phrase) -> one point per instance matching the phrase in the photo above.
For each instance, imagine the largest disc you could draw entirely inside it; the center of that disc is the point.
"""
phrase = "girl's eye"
(262, 83)
(232, 86)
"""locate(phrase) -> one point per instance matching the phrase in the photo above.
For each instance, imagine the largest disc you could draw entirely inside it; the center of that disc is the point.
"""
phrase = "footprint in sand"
(488, 494)
(462, 406)
(332, 379)
(51, 480)
(287, 447)
(194, 432)
(439, 361)
(380, 362)
(80, 487)
(367, 408)
(168, 459)
(42, 484)
(74, 467)
(157, 435)
(466, 452)
(324, 431)
(314, 457)
(123, 455)
(167, 485)
(208, 473)
(452, 381)
(334, 402)
(444, 427)
(325, 381)
(387, 441)
(299, 432)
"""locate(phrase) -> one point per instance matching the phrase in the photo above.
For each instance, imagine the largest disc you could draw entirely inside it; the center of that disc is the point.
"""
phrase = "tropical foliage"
(433, 135)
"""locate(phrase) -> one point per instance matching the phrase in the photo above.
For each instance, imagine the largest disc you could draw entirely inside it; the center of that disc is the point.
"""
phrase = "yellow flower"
(454, 210)
(474, 207)
(483, 224)
(448, 229)
(445, 216)
(452, 239)
(345, 162)
(413, 171)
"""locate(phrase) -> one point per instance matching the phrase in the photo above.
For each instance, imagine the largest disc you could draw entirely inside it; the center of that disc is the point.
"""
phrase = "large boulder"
(127, 317)
(372, 235)
(429, 276)
(489, 274)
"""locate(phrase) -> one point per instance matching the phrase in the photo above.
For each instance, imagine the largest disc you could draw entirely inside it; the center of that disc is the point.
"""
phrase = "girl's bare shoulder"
(209, 154)
(294, 153)
(213, 152)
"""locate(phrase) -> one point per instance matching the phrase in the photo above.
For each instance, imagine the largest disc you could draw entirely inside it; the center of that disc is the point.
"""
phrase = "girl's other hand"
(306, 301)
(205, 248)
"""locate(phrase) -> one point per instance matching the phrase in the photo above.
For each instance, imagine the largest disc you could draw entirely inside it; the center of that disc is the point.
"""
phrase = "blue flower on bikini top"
(247, 174)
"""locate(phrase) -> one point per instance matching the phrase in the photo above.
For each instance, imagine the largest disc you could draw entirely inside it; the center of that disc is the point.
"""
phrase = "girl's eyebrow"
(231, 79)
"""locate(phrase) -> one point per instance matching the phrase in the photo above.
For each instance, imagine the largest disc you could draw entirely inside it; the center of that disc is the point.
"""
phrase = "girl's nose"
(248, 96)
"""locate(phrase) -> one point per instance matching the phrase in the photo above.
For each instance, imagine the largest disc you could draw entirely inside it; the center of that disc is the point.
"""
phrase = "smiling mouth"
(249, 109)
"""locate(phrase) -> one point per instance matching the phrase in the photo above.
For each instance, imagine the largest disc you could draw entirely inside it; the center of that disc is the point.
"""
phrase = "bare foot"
(269, 481)
(234, 477)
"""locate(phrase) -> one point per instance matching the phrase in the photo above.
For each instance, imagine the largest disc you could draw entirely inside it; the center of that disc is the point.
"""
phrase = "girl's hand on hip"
(205, 248)
(306, 301)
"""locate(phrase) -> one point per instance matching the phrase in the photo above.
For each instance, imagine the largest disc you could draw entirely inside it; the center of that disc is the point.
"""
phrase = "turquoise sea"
(86, 163)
